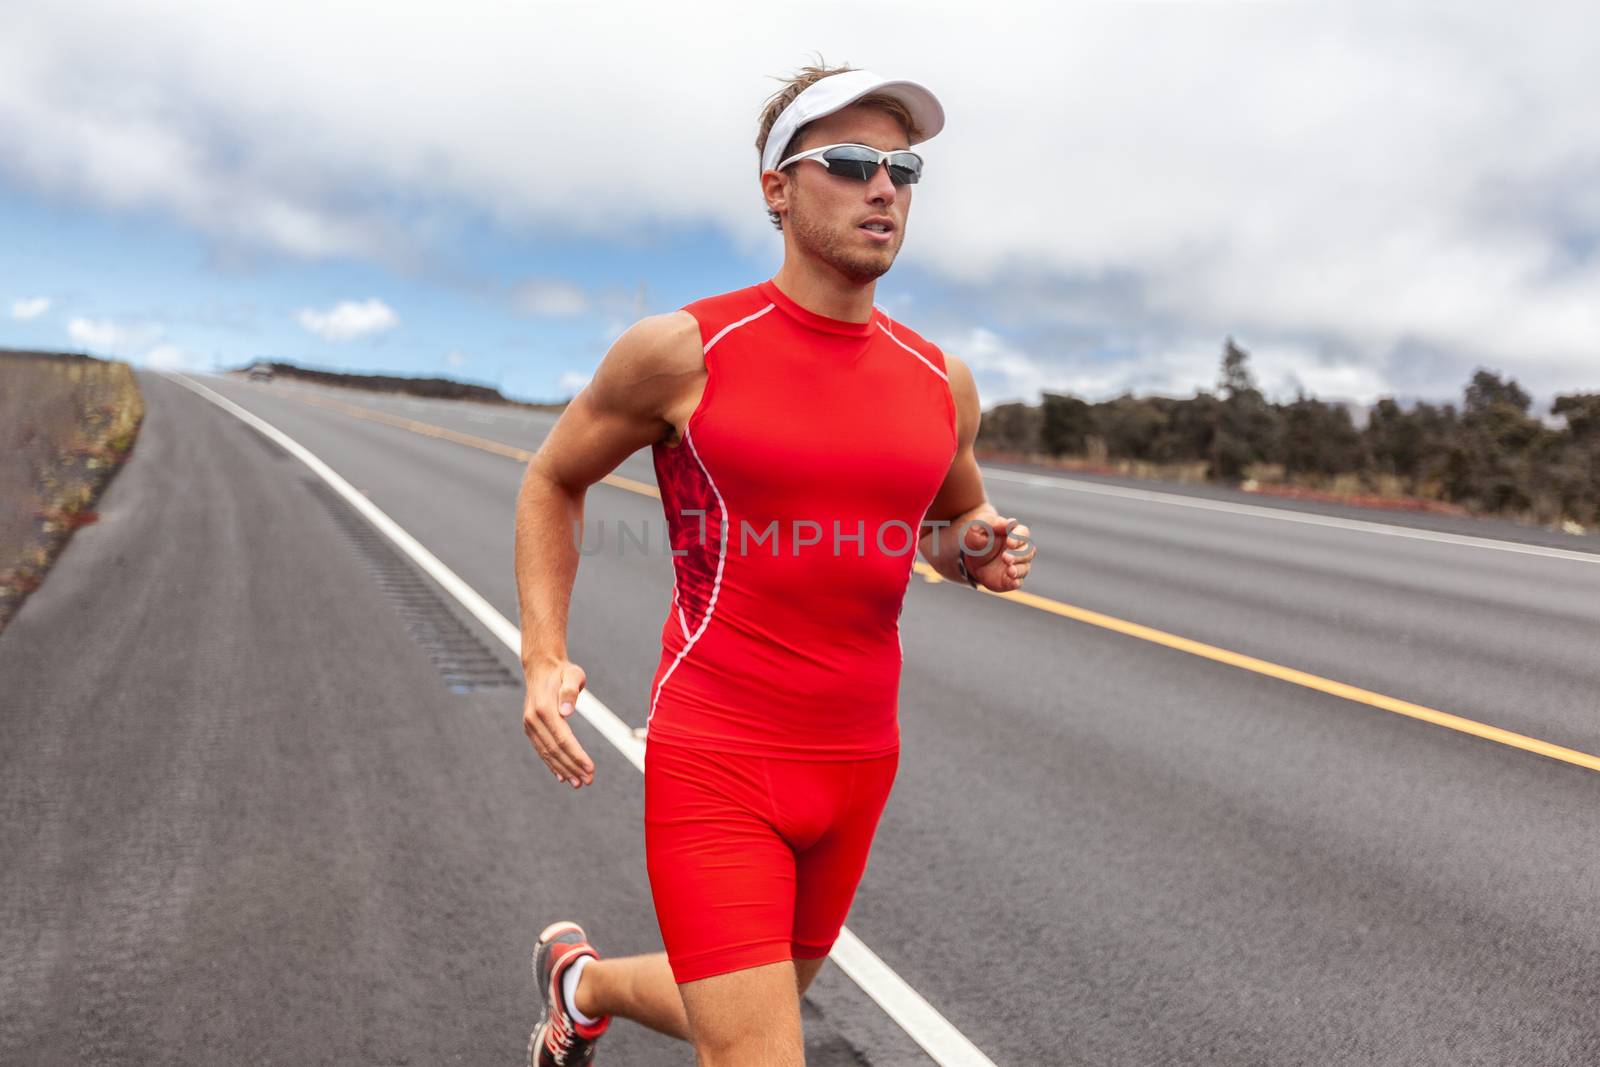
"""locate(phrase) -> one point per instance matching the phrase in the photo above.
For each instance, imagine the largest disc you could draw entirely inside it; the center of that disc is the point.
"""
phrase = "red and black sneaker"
(560, 1040)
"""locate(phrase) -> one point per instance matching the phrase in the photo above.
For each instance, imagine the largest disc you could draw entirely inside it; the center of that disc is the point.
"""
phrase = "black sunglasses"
(859, 162)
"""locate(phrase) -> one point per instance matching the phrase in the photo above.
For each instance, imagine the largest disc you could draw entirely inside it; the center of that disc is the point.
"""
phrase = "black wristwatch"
(966, 575)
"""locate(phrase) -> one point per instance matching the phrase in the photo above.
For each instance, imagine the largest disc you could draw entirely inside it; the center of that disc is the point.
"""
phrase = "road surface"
(266, 796)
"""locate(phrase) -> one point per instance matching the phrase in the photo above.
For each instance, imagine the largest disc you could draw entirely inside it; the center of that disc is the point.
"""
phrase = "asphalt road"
(249, 817)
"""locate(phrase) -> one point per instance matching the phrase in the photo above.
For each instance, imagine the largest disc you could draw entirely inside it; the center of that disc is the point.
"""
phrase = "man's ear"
(775, 188)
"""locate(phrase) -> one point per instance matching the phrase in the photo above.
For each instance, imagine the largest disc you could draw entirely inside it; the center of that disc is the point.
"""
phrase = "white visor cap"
(827, 95)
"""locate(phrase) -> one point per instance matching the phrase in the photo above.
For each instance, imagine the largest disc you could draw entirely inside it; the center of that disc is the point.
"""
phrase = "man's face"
(826, 212)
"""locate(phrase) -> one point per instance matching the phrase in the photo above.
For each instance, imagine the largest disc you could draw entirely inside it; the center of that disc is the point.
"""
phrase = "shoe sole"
(535, 1039)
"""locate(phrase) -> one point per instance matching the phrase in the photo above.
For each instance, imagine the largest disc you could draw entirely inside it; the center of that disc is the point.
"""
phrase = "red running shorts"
(755, 859)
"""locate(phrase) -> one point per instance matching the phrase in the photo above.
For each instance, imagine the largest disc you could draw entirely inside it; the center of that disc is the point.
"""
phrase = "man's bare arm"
(627, 405)
(961, 500)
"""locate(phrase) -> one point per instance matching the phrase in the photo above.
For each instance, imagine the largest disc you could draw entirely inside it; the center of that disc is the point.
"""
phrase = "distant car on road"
(260, 372)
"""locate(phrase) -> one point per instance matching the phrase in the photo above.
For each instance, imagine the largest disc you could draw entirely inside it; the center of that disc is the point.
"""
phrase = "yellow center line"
(1068, 611)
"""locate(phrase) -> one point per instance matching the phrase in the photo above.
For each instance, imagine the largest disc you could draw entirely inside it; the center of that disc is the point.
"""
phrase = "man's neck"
(829, 295)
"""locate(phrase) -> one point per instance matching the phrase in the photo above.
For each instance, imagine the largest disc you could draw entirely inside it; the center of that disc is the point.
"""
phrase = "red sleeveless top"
(792, 506)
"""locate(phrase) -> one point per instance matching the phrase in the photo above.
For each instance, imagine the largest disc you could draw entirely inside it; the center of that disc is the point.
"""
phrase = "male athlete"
(803, 442)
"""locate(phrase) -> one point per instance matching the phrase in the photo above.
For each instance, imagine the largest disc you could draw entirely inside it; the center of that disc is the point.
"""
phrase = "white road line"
(920, 1020)
(904, 1005)
(1285, 515)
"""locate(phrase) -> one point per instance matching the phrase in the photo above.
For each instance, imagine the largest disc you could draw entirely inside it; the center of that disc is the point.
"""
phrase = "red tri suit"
(793, 504)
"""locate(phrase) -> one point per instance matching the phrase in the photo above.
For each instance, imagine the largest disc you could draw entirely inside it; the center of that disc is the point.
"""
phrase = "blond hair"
(802, 80)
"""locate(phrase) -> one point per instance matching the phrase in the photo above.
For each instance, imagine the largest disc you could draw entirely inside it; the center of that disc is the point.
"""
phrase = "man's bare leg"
(746, 1018)
(641, 988)
(634, 987)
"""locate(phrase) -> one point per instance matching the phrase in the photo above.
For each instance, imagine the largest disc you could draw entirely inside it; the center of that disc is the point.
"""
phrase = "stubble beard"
(860, 264)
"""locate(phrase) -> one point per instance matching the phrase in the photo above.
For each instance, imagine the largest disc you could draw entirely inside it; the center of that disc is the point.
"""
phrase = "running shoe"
(560, 1040)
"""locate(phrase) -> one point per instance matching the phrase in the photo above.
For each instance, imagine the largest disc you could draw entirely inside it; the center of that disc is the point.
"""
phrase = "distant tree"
(1395, 440)
(1574, 473)
(1191, 428)
(1490, 455)
(1414, 446)
(1582, 413)
(1170, 442)
(1439, 426)
(1132, 428)
(1489, 464)
(1319, 438)
(1012, 427)
(1247, 428)
(1486, 392)
(1234, 378)
(1067, 421)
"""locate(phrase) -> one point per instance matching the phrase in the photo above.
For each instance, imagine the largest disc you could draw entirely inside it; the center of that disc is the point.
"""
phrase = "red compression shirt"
(792, 505)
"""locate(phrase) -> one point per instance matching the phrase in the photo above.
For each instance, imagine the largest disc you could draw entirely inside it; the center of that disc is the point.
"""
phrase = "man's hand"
(998, 551)
(553, 687)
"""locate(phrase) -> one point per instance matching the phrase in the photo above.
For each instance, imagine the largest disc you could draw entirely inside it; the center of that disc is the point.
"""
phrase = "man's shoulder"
(668, 343)
(715, 313)
(675, 342)
(913, 340)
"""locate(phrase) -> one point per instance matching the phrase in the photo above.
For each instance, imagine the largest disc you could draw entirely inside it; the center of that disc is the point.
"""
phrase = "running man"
(805, 445)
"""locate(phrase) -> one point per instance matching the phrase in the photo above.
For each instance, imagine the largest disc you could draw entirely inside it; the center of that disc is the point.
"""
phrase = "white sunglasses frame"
(883, 157)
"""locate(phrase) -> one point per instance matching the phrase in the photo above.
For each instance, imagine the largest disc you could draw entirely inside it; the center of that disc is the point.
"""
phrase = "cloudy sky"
(1373, 198)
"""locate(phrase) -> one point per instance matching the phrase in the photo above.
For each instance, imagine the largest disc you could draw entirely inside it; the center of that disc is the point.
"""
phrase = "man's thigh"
(721, 875)
(828, 871)
(747, 1018)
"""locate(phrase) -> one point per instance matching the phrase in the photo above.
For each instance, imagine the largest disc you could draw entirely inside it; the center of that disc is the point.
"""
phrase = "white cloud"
(170, 357)
(573, 380)
(1006, 371)
(1279, 369)
(108, 335)
(349, 319)
(93, 334)
(1352, 178)
(455, 359)
(30, 307)
(549, 298)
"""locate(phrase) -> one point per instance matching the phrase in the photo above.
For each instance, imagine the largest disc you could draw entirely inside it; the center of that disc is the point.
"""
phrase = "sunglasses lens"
(861, 163)
(905, 168)
(851, 161)
(853, 168)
